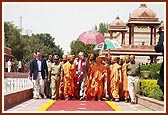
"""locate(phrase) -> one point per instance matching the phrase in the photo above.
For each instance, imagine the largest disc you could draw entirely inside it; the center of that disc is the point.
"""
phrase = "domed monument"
(143, 16)
(138, 36)
(143, 12)
(117, 26)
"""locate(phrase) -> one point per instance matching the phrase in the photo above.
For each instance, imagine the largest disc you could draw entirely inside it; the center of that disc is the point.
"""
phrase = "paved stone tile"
(130, 107)
(33, 105)
(30, 105)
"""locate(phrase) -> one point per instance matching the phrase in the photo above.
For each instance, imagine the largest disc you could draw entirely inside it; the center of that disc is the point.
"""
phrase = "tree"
(23, 46)
(14, 40)
(43, 43)
(103, 28)
(77, 46)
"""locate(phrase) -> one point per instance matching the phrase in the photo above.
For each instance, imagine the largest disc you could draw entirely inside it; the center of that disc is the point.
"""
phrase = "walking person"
(38, 67)
(81, 75)
(125, 61)
(160, 48)
(47, 82)
(114, 79)
(54, 76)
(89, 65)
(107, 62)
(98, 74)
(133, 70)
(61, 86)
(69, 73)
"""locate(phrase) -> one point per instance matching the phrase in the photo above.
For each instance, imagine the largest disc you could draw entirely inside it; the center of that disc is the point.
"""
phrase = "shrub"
(149, 88)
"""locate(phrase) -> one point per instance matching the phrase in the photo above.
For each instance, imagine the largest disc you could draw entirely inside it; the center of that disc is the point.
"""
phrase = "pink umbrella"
(91, 37)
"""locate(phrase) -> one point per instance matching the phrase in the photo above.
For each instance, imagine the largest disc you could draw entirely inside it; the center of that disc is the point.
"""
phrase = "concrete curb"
(13, 99)
(150, 103)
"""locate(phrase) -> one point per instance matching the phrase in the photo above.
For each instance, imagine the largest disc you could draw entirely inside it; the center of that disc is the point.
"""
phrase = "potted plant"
(145, 74)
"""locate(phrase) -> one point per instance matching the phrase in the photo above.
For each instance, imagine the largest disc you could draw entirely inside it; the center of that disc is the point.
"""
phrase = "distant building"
(138, 34)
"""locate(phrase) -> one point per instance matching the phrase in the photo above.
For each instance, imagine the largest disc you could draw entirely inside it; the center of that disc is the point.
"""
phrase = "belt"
(54, 74)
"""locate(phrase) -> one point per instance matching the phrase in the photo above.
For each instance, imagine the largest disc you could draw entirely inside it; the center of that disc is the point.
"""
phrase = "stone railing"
(12, 85)
(17, 88)
(138, 46)
(14, 82)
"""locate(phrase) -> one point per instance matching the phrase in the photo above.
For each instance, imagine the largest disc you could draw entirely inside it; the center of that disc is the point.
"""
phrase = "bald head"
(132, 58)
(99, 60)
(114, 59)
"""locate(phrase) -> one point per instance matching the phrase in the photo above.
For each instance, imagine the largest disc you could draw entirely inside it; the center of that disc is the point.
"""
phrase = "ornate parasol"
(91, 37)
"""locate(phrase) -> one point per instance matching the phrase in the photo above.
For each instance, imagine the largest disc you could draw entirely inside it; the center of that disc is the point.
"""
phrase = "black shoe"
(108, 98)
(49, 97)
(42, 96)
(133, 102)
(53, 98)
(82, 98)
(126, 100)
(72, 98)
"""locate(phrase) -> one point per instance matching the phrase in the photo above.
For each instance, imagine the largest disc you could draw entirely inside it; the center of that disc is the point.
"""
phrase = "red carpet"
(76, 105)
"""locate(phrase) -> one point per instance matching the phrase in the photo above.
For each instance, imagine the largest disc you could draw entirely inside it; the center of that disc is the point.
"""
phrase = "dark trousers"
(161, 78)
(47, 89)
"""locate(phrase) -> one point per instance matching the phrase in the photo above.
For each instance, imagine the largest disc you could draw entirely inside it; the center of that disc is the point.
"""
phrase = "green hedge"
(149, 88)
(154, 68)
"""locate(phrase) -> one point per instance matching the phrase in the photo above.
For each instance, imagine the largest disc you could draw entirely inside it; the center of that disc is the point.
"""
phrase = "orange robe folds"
(125, 80)
(69, 74)
(114, 80)
(88, 79)
(98, 73)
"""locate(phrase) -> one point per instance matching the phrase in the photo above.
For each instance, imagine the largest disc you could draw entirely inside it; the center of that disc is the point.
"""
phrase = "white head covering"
(81, 53)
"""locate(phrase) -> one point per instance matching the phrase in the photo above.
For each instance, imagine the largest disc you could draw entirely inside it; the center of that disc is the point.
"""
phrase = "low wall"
(15, 75)
(150, 103)
(13, 99)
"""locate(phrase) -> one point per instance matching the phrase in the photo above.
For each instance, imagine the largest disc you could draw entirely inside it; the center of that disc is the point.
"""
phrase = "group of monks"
(103, 78)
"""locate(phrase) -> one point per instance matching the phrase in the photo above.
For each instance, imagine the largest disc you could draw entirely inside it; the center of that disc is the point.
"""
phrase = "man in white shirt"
(38, 73)
(9, 65)
(19, 66)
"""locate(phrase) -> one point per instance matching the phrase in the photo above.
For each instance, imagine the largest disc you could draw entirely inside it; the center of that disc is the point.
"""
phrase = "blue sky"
(66, 21)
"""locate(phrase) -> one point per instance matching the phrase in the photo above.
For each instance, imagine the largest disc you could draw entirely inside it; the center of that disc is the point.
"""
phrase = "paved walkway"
(76, 105)
(41, 105)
